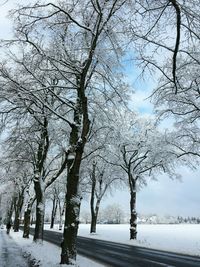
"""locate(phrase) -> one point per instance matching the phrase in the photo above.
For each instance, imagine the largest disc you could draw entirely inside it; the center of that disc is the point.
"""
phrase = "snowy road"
(10, 253)
(121, 255)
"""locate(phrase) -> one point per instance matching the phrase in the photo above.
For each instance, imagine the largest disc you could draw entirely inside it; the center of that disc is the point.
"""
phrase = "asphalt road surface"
(120, 255)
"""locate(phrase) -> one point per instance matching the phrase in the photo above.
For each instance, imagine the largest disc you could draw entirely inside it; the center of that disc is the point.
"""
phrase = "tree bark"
(92, 199)
(93, 225)
(16, 221)
(39, 184)
(18, 203)
(27, 218)
(39, 224)
(133, 217)
(68, 255)
(78, 137)
(53, 213)
(94, 216)
(10, 212)
(61, 213)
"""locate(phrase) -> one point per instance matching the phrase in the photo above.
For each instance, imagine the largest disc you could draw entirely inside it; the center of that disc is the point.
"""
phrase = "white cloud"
(5, 22)
(172, 196)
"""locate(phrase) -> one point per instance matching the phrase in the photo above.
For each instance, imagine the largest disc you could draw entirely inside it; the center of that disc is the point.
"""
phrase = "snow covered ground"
(183, 238)
(46, 255)
(10, 253)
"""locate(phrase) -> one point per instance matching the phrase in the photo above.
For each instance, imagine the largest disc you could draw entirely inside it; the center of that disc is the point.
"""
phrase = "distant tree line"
(156, 219)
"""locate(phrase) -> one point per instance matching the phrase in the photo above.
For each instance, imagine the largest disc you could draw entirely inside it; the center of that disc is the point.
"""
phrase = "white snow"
(182, 238)
(10, 253)
(71, 156)
(41, 206)
(46, 254)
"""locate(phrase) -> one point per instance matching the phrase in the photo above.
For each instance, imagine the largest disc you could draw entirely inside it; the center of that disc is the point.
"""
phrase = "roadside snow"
(10, 253)
(181, 238)
(46, 254)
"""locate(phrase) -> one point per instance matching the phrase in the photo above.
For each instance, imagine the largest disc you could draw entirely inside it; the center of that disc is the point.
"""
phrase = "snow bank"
(47, 254)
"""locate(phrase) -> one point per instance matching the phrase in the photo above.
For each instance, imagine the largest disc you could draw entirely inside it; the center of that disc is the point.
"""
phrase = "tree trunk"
(16, 221)
(53, 213)
(39, 224)
(10, 212)
(39, 184)
(27, 219)
(61, 213)
(133, 219)
(68, 254)
(18, 203)
(94, 216)
(78, 138)
(93, 223)
(92, 199)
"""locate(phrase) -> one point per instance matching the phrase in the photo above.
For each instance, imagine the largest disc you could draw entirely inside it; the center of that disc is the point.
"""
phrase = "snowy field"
(182, 238)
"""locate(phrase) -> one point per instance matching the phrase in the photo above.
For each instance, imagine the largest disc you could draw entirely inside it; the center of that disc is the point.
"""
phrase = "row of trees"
(65, 104)
(167, 219)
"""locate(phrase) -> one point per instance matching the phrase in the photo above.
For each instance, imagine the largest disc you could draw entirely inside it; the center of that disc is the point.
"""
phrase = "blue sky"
(163, 196)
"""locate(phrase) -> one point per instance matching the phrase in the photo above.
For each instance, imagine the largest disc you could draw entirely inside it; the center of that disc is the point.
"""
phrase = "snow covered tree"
(140, 150)
(166, 32)
(21, 184)
(54, 205)
(33, 141)
(6, 202)
(83, 44)
(113, 214)
(56, 193)
(78, 57)
(27, 215)
(102, 177)
(98, 176)
(177, 93)
(85, 216)
(182, 107)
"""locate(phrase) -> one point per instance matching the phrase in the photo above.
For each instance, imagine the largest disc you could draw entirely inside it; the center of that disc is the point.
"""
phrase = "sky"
(164, 196)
